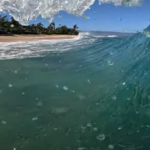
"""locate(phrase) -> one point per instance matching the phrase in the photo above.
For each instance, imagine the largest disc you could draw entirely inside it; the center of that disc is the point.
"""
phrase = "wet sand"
(28, 38)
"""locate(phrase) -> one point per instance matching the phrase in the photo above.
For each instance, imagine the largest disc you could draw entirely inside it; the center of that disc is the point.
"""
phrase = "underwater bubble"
(111, 146)
(35, 118)
(89, 125)
(100, 137)
(148, 126)
(55, 129)
(39, 103)
(10, 85)
(95, 129)
(89, 81)
(15, 71)
(111, 53)
(110, 63)
(119, 128)
(121, 145)
(123, 83)
(57, 86)
(83, 129)
(59, 110)
(81, 97)
(3, 122)
(65, 88)
(114, 97)
(128, 98)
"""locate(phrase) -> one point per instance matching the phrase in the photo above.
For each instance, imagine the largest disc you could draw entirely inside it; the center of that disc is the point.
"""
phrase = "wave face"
(91, 93)
(41, 48)
(84, 40)
(26, 10)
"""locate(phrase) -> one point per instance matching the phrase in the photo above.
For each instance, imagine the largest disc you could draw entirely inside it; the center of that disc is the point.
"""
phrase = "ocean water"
(91, 93)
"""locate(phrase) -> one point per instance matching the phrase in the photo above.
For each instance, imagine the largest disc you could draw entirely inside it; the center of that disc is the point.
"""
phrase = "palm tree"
(39, 27)
(75, 27)
(33, 28)
(51, 28)
(64, 30)
(4, 23)
(3, 19)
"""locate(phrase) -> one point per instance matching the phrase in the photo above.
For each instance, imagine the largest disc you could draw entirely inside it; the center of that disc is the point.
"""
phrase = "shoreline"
(32, 38)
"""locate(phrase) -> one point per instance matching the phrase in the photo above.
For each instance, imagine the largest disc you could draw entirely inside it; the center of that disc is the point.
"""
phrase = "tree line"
(14, 27)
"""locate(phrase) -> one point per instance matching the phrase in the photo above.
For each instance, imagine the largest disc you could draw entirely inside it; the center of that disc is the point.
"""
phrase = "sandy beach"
(28, 38)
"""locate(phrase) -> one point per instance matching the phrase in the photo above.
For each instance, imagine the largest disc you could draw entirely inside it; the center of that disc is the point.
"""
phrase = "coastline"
(31, 38)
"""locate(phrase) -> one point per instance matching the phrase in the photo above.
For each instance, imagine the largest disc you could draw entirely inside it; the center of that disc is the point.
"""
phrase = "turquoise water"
(91, 93)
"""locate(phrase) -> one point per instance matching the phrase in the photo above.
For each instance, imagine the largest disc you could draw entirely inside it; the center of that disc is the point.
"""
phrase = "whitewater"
(88, 93)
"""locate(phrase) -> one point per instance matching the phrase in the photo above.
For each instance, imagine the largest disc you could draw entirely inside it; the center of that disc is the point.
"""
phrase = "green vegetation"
(12, 26)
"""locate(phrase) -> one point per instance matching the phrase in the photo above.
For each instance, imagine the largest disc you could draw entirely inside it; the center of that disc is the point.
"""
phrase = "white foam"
(99, 36)
(111, 36)
(21, 50)
(26, 10)
(122, 2)
(103, 36)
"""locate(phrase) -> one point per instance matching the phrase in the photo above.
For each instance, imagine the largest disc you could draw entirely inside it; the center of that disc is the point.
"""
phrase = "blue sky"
(107, 17)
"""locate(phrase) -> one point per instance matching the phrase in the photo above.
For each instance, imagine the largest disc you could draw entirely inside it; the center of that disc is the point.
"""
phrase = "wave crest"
(122, 2)
(26, 10)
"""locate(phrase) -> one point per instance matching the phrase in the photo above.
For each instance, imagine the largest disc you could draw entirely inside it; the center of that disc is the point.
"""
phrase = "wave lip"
(122, 2)
(26, 10)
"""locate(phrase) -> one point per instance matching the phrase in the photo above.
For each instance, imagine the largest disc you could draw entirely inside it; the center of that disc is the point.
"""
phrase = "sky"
(106, 17)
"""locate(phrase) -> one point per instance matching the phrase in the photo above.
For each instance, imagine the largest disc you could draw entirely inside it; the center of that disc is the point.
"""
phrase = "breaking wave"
(85, 41)
(26, 10)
